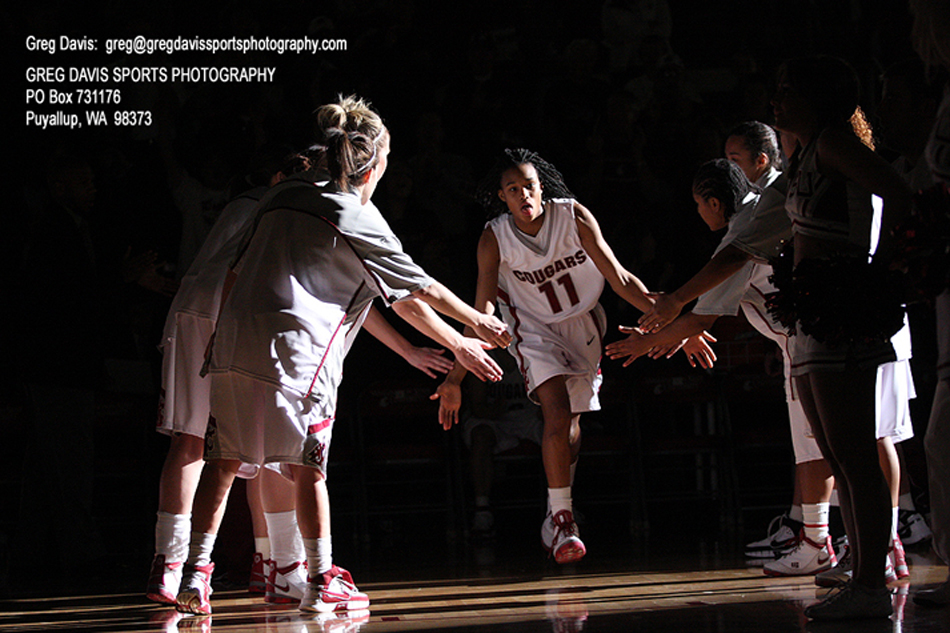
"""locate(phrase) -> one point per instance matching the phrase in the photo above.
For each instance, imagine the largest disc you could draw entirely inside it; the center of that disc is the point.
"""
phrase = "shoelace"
(563, 524)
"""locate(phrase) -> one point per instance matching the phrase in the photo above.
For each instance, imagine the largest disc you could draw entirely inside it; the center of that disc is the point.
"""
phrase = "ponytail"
(862, 128)
(352, 136)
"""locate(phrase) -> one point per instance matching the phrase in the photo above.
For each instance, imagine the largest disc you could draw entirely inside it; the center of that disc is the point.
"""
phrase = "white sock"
(906, 502)
(262, 546)
(815, 517)
(172, 532)
(895, 511)
(199, 550)
(795, 514)
(834, 498)
(559, 499)
(285, 543)
(319, 555)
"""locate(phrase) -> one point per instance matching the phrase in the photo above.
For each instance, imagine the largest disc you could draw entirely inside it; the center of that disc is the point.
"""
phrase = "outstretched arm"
(623, 282)
(427, 360)
(639, 343)
(486, 326)
(696, 348)
(723, 265)
(449, 393)
(470, 352)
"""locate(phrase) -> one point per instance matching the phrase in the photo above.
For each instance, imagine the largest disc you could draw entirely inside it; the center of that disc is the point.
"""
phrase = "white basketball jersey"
(547, 276)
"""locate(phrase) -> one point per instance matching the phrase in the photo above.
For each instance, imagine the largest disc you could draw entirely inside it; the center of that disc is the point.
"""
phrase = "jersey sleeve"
(387, 266)
(393, 272)
(725, 298)
(768, 226)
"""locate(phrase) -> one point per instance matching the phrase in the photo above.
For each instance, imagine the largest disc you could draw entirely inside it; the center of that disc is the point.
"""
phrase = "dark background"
(627, 106)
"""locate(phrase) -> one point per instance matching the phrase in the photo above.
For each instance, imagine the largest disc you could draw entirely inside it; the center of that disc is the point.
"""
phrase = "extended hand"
(429, 361)
(697, 350)
(665, 309)
(449, 395)
(493, 330)
(633, 347)
(472, 356)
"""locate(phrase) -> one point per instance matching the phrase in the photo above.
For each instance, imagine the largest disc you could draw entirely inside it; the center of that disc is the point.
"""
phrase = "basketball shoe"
(163, 580)
(782, 538)
(912, 528)
(195, 593)
(561, 539)
(260, 570)
(806, 559)
(333, 591)
(286, 584)
(897, 558)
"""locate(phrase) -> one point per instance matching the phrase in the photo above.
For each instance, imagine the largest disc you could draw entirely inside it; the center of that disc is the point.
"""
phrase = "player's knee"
(306, 475)
(186, 449)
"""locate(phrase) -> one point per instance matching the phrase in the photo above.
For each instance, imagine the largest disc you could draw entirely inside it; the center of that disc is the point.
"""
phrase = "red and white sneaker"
(333, 591)
(286, 584)
(897, 558)
(260, 571)
(564, 542)
(807, 559)
(195, 593)
(163, 580)
(889, 574)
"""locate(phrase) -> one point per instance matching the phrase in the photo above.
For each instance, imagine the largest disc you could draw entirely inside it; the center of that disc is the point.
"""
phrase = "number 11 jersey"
(549, 276)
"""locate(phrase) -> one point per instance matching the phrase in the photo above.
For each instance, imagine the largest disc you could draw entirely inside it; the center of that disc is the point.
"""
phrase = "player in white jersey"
(316, 260)
(543, 261)
(757, 236)
(724, 198)
(185, 403)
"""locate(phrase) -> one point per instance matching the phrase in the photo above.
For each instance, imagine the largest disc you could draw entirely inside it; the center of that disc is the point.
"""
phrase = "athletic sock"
(199, 550)
(895, 512)
(172, 533)
(285, 545)
(319, 555)
(262, 546)
(559, 499)
(816, 521)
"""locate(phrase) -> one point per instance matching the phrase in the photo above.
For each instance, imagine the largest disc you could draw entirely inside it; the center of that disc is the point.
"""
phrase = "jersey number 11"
(549, 291)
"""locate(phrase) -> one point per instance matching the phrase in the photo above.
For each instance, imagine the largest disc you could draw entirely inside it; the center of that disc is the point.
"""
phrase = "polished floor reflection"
(595, 595)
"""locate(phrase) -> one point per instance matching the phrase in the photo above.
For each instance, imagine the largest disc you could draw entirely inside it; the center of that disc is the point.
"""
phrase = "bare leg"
(891, 467)
(180, 474)
(313, 502)
(277, 493)
(815, 481)
(254, 496)
(575, 438)
(211, 498)
(840, 407)
(556, 441)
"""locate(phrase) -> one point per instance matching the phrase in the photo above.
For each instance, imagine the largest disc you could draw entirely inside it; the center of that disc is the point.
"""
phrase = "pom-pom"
(840, 300)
